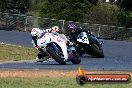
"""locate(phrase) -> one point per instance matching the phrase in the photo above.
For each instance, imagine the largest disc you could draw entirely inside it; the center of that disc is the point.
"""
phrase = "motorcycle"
(56, 48)
(89, 44)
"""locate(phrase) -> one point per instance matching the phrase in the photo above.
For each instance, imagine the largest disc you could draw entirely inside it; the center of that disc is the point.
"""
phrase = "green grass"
(47, 82)
(10, 52)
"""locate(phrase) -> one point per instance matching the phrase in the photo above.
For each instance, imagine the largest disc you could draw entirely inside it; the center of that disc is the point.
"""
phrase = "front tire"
(57, 58)
(97, 51)
(79, 51)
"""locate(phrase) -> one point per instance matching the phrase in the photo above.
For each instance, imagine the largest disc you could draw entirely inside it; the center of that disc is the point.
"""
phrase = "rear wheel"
(58, 56)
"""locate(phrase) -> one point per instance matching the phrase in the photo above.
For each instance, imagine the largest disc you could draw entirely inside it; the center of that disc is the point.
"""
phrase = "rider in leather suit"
(74, 31)
(35, 34)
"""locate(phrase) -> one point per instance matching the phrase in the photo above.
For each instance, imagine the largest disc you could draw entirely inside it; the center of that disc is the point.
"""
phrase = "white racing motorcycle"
(56, 48)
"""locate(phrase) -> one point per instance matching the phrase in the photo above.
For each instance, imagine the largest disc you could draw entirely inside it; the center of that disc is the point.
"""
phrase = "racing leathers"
(73, 35)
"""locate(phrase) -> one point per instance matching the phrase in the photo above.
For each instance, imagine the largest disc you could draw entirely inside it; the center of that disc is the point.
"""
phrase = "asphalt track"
(118, 55)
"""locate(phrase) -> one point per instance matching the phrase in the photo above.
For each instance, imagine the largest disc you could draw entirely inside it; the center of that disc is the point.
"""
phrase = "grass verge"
(48, 79)
(48, 82)
(11, 52)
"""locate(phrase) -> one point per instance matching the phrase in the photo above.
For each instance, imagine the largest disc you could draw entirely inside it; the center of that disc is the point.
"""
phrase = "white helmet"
(36, 32)
(55, 29)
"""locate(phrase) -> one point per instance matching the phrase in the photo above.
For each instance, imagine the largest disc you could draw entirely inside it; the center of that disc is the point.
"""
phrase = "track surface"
(118, 55)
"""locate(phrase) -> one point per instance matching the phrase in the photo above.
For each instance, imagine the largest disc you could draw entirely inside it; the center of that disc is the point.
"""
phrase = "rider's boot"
(42, 59)
(42, 56)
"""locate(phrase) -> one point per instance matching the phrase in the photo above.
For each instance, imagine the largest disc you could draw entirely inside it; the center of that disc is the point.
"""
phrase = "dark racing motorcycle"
(89, 44)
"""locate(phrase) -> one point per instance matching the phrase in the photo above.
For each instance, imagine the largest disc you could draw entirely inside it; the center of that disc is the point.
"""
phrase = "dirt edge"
(51, 73)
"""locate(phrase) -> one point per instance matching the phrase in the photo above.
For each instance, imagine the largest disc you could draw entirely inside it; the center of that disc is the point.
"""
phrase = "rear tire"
(55, 56)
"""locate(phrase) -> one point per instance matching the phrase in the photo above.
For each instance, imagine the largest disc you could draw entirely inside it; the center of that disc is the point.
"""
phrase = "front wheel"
(58, 56)
(97, 51)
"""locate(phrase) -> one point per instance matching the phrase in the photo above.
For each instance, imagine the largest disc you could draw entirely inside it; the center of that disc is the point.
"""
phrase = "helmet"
(55, 29)
(36, 32)
(71, 27)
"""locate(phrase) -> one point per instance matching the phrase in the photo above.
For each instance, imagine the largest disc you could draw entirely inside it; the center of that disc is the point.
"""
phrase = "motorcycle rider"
(74, 31)
(35, 34)
(56, 30)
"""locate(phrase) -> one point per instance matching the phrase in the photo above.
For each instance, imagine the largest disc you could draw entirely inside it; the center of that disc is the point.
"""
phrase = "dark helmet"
(71, 27)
